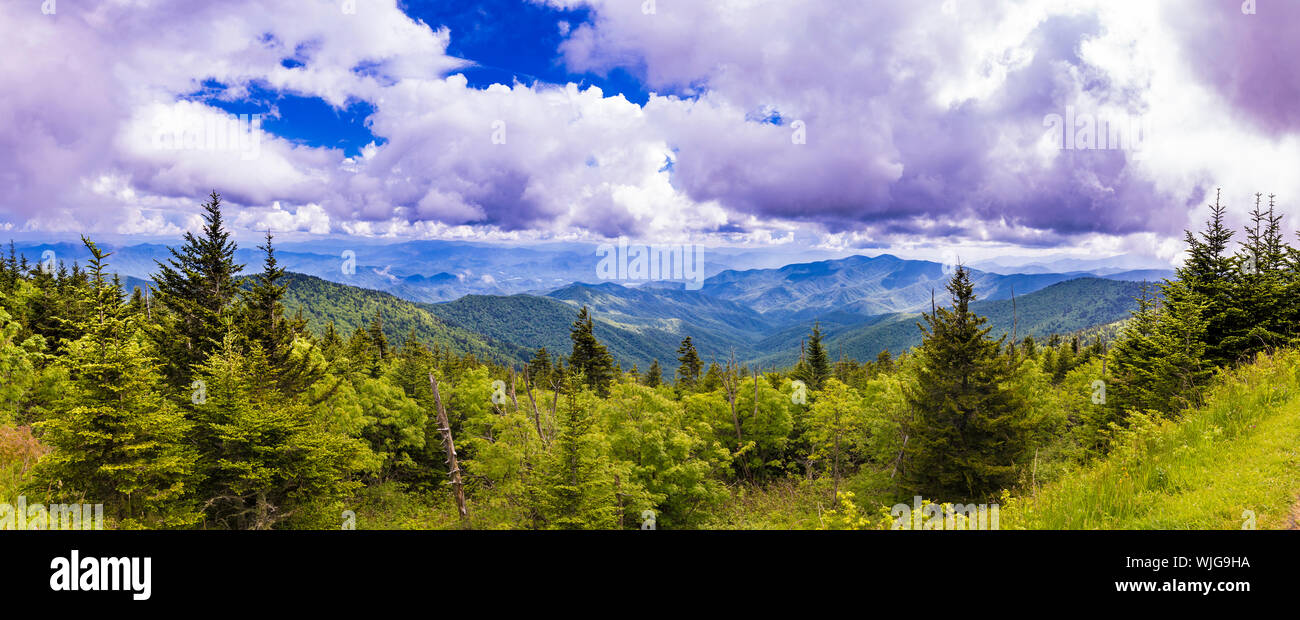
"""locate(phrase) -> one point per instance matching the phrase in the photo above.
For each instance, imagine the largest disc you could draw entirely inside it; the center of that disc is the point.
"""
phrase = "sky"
(996, 127)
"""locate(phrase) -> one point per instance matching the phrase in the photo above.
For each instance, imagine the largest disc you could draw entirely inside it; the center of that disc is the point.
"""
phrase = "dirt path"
(1293, 522)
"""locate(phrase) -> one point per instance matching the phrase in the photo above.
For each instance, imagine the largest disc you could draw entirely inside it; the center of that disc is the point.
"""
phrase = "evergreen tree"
(969, 432)
(197, 289)
(1259, 288)
(688, 372)
(654, 376)
(331, 343)
(539, 369)
(712, 379)
(581, 492)
(884, 362)
(265, 458)
(376, 335)
(265, 326)
(1208, 276)
(814, 367)
(590, 357)
(1158, 362)
(116, 439)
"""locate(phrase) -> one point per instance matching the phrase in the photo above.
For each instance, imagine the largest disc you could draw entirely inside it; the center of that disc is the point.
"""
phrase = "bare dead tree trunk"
(537, 416)
(444, 428)
(731, 382)
(835, 471)
(513, 399)
(899, 460)
(555, 406)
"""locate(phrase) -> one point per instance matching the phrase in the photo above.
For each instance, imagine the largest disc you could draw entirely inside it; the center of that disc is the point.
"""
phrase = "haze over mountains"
(769, 280)
(505, 302)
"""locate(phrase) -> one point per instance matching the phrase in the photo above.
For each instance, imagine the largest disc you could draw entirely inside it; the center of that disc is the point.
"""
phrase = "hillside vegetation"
(1211, 468)
(349, 308)
(212, 403)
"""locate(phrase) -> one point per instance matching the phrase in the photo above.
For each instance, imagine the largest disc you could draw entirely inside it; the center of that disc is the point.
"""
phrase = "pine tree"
(969, 432)
(376, 335)
(197, 290)
(116, 439)
(653, 376)
(1158, 362)
(590, 357)
(539, 369)
(1208, 274)
(580, 488)
(264, 326)
(688, 372)
(814, 368)
(1259, 288)
(264, 457)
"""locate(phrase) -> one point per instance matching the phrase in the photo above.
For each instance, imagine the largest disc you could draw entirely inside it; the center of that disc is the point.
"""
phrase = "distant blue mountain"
(859, 285)
(440, 271)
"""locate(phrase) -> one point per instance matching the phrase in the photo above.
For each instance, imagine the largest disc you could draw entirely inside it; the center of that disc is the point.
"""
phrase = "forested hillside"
(212, 402)
(527, 323)
(348, 308)
(1062, 308)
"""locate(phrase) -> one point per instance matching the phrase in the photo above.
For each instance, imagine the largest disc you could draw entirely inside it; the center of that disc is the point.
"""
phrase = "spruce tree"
(331, 342)
(116, 439)
(196, 288)
(712, 379)
(884, 362)
(376, 334)
(1158, 363)
(264, 455)
(580, 488)
(654, 376)
(1208, 275)
(815, 367)
(539, 369)
(589, 356)
(264, 326)
(1259, 288)
(690, 366)
(969, 431)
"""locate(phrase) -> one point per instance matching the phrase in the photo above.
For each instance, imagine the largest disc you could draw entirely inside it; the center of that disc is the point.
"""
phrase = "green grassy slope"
(1240, 452)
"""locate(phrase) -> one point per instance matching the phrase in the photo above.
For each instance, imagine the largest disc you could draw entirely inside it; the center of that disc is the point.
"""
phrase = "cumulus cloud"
(897, 124)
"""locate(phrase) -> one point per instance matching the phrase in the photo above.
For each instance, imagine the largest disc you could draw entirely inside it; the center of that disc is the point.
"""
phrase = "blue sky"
(505, 42)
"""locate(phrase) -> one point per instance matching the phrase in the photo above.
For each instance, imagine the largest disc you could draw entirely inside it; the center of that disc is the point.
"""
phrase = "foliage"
(283, 401)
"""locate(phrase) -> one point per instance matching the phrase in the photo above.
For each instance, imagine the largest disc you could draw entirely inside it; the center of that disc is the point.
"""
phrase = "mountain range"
(504, 303)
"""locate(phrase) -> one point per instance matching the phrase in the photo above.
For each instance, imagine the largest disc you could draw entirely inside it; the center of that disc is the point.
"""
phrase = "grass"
(780, 505)
(19, 451)
(1210, 469)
